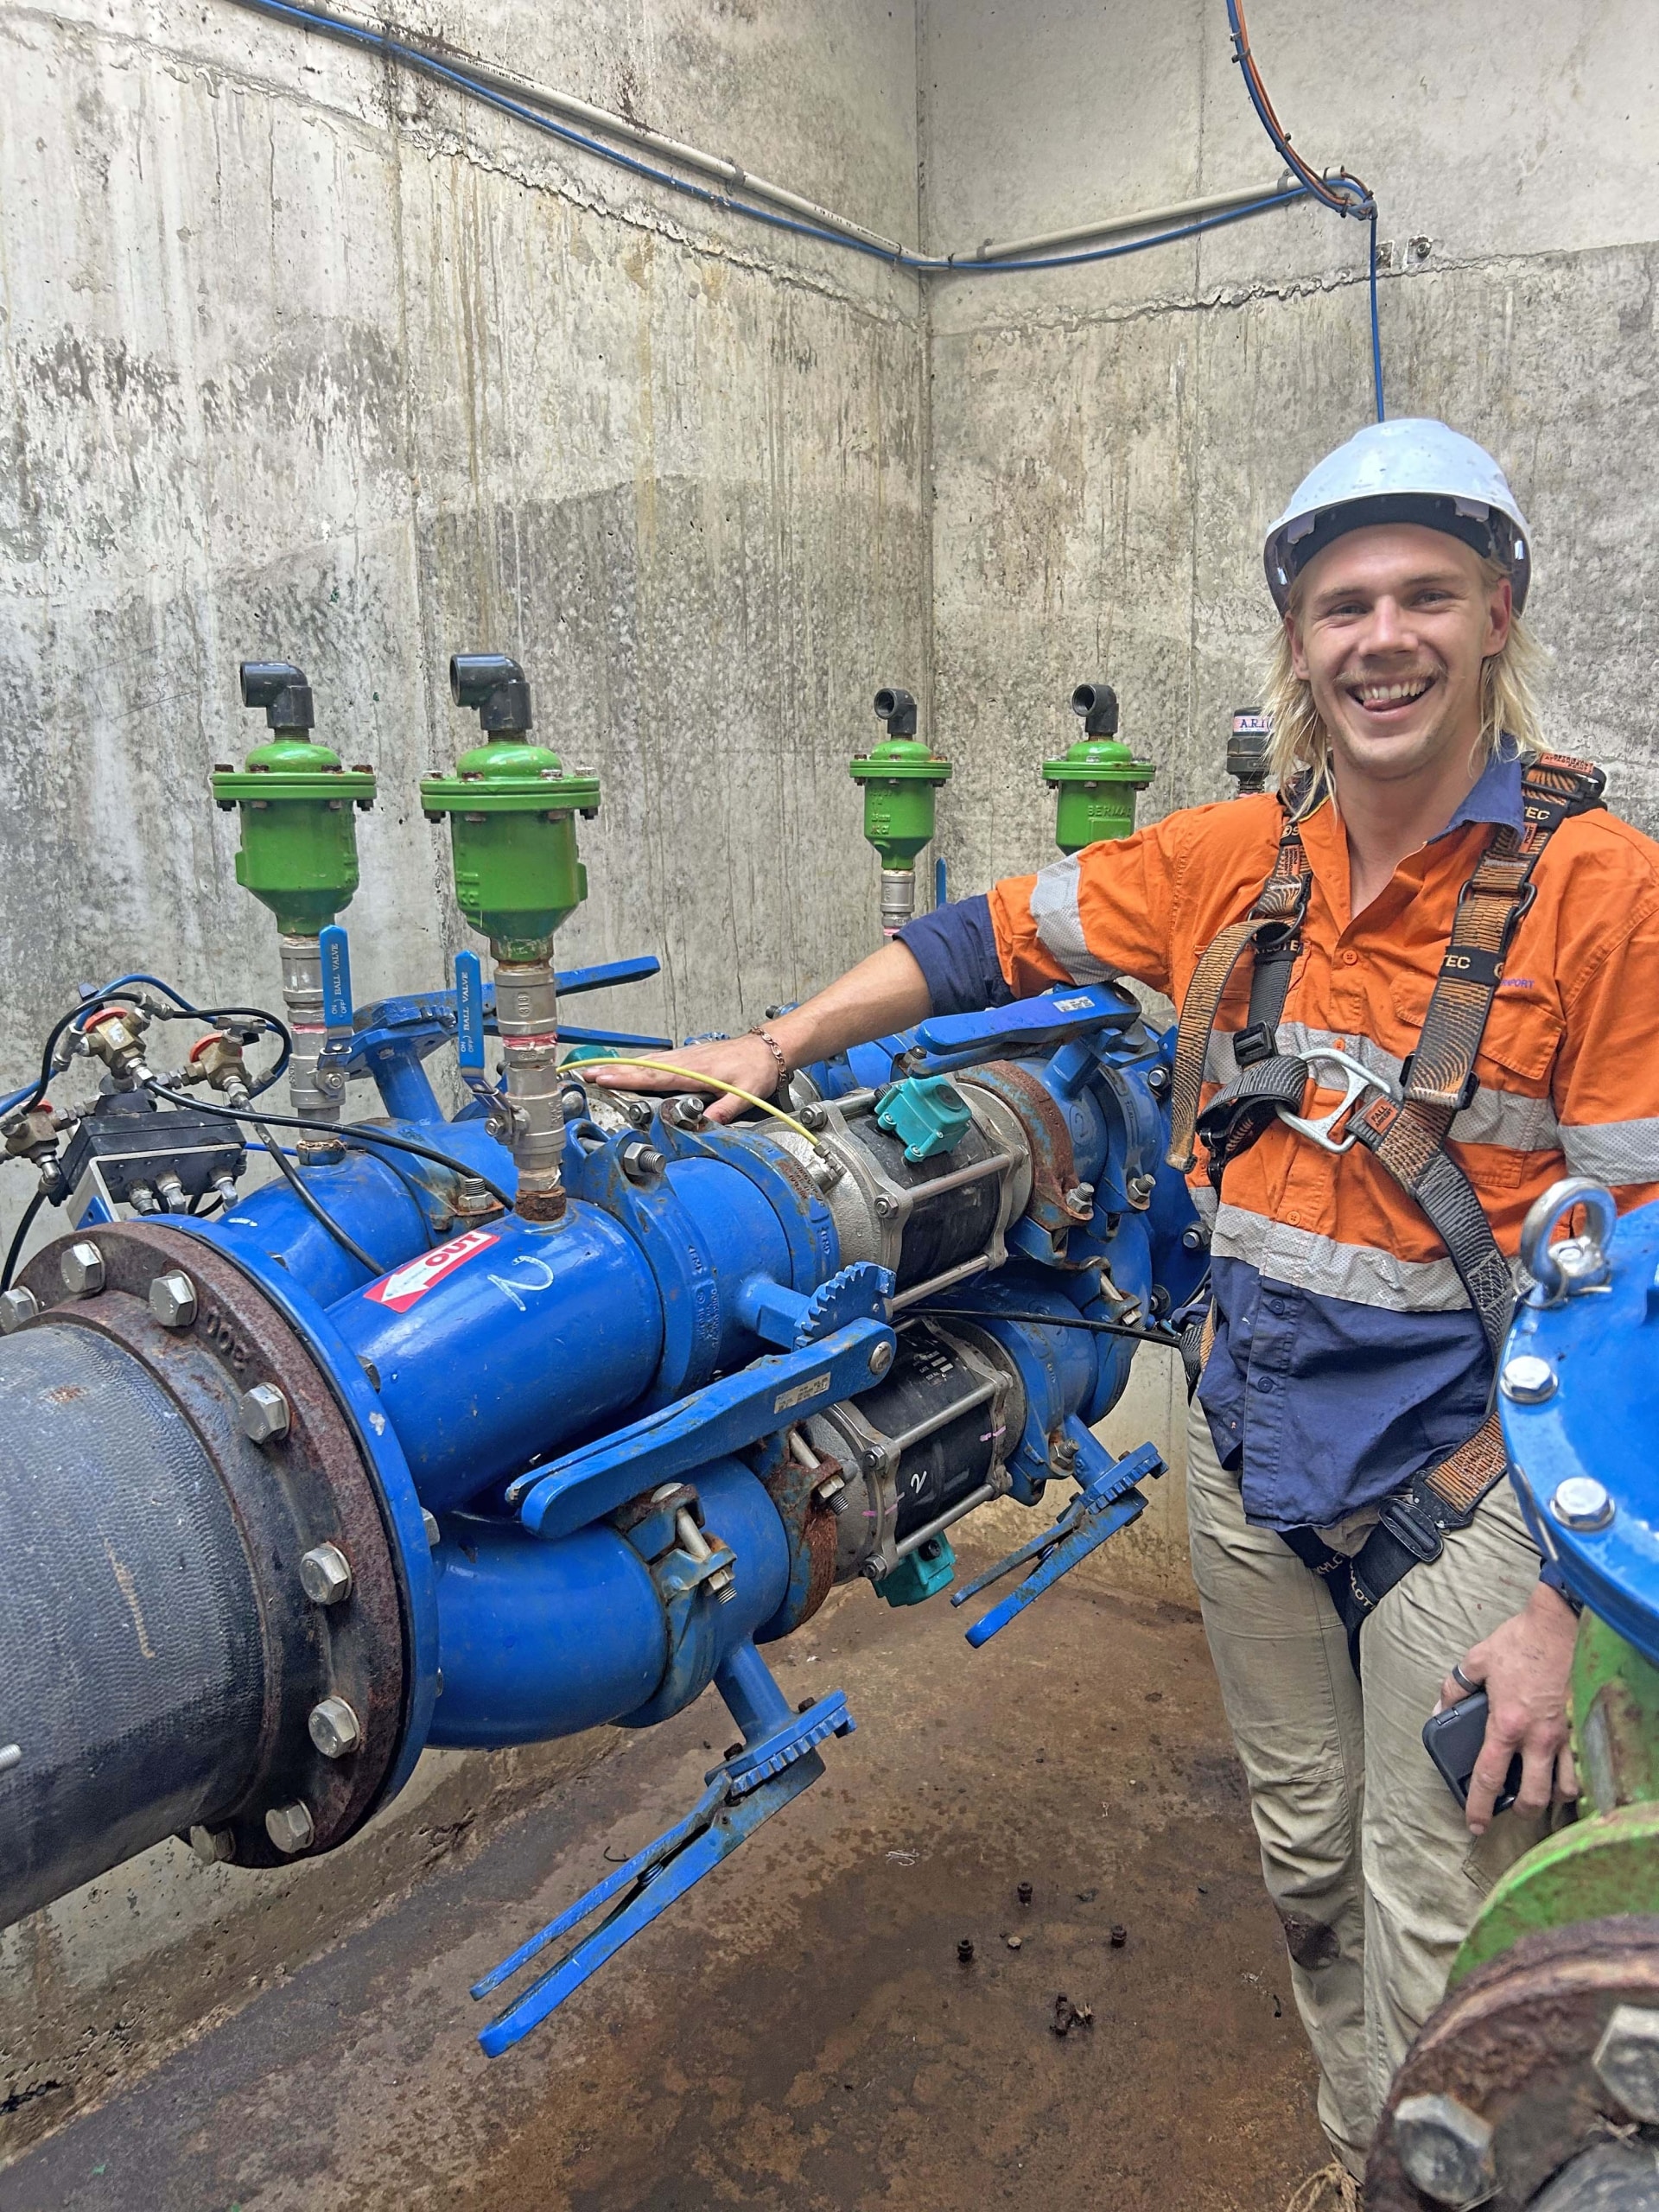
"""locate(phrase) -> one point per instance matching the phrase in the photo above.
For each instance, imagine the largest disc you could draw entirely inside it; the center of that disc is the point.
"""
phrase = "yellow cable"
(705, 1082)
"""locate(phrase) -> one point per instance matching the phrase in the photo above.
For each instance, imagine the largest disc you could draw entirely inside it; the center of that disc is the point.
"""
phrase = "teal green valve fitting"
(900, 779)
(927, 1111)
(512, 826)
(1096, 778)
(298, 857)
(920, 1574)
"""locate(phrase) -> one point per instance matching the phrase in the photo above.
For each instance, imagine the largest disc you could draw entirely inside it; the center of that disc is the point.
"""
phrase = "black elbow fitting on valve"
(897, 709)
(495, 685)
(282, 690)
(1097, 704)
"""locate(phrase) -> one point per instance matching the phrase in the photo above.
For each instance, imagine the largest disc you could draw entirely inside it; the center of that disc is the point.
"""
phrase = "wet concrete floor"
(799, 2032)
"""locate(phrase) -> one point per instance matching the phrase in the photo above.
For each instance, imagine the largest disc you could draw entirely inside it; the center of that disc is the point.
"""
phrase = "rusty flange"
(305, 1488)
(1514, 2045)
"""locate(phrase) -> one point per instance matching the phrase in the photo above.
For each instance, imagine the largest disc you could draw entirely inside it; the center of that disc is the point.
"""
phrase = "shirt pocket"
(1513, 1110)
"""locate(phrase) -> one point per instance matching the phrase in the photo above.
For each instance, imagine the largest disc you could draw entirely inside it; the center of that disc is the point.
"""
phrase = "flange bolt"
(16, 1306)
(1529, 1380)
(334, 1727)
(291, 1828)
(326, 1574)
(1627, 2060)
(641, 1163)
(173, 1300)
(263, 1412)
(82, 1270)
(1446, 2149)
(1581, 1501)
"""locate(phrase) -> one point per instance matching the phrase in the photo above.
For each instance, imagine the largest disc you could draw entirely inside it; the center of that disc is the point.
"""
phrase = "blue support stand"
(779, 1760)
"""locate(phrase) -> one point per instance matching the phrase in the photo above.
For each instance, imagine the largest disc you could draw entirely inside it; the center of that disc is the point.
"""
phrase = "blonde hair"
(1509, 680)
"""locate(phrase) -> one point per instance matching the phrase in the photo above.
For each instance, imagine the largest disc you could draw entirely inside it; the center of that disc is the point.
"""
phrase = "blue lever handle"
(741, 1795)
(336, 979)
(1108, 1503)
(470, 1013)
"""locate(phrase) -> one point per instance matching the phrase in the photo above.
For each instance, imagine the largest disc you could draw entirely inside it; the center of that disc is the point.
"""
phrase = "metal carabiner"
(1358, 1079)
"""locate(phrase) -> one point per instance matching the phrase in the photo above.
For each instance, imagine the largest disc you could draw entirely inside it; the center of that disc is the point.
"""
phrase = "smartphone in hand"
(1452, 1739)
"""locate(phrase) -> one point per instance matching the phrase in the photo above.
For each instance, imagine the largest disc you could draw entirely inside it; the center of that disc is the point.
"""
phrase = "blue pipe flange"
(1579, 1396)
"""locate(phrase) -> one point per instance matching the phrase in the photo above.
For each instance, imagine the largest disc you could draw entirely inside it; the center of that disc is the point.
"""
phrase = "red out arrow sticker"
(400, 1289)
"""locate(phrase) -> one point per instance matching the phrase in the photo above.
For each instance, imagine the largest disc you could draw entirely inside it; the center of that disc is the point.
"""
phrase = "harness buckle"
(1357, 1080)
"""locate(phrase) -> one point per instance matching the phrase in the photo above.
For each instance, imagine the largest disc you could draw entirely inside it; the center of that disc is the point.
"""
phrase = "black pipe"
(131, 1668)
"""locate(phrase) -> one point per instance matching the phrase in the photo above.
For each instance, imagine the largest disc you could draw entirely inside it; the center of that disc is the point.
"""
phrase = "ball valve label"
(400, 1289)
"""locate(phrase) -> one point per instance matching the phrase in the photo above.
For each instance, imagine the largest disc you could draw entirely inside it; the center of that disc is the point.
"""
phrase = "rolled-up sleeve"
(955, 947)
(1104, 911)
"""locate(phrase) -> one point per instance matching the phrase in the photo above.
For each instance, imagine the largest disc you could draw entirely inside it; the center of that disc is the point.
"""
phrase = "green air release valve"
(512, 811)
(1096, 778)
(928, 1112)
(900, 777)
(298, 854)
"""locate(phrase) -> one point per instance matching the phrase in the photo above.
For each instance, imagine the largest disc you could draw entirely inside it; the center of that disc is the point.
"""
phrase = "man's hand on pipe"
(742, 1060)
(1523, 1665)
(884, 994)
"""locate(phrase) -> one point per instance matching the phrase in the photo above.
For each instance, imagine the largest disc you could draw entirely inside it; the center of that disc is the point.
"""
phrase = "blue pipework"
(618, 1451)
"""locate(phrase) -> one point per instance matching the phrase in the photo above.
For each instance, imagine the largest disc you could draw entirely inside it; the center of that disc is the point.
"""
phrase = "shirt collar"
(1496, 795)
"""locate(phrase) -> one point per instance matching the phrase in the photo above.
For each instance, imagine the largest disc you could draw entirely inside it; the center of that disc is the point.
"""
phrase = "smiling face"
(1388, 628)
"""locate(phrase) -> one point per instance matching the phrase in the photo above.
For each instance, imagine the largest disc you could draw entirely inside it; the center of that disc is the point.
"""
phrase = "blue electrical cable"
(415, 58)
(1343, 193)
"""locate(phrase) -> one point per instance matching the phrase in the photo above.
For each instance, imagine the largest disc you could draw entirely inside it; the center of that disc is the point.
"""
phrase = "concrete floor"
(799, 2033)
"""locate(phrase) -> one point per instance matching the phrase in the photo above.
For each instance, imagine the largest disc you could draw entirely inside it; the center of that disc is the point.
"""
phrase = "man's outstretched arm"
(888, 991)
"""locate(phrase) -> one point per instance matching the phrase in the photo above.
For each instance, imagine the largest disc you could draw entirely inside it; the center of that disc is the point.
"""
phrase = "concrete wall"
(1108, 444)
(303, 359)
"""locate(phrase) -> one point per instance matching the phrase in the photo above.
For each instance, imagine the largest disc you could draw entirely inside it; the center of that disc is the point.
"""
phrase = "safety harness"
(1407, 1134)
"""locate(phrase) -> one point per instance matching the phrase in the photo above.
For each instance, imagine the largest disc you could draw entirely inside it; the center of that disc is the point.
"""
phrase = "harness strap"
(1411, 1530)
(1408, 1136)
(1272, 930)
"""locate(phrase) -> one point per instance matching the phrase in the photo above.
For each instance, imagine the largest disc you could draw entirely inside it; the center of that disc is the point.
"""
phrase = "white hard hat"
(1413, 470)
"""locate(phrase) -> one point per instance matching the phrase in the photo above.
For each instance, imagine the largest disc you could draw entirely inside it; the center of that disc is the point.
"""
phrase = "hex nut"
(291, 1828)
(326, 1574)
(82, 1270)
(885, 1206)
(263, 1412)
(1529, 1380)
(16, 1306)
(641, 1162)
(1447, 2149)
(1580, 1502)
(1627, 2060)
(335, 1729)
(434, 1533)
(173, 1300)
(213, 1847)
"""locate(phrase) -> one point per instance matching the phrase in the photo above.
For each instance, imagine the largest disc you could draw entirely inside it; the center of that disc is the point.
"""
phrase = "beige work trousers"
(1364, 1848)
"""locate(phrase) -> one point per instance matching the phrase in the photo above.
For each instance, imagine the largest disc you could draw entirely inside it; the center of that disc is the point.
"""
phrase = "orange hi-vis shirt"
(1347, 1355)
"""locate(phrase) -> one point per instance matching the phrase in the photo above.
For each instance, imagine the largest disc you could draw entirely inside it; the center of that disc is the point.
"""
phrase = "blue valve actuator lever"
(1107, 1501)
(778, 1761)
(723, 1416)
(952, 1041)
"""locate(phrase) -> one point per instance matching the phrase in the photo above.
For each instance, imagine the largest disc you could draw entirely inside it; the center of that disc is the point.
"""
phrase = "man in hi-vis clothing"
(1419, 985)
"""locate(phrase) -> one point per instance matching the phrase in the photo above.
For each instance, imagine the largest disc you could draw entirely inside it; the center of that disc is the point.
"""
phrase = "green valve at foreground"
(513, 816)
(298, 855)
(900, 777)
(1097, 778)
